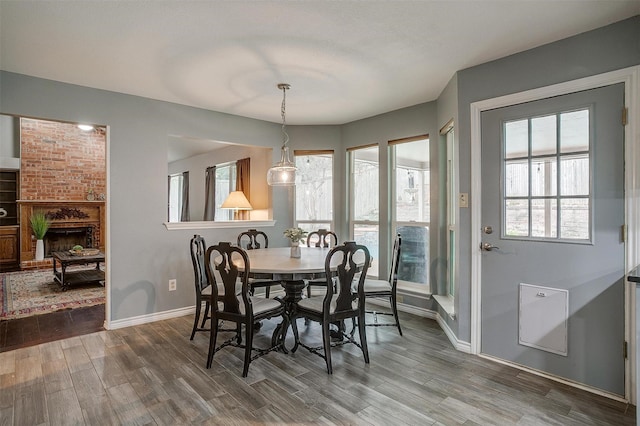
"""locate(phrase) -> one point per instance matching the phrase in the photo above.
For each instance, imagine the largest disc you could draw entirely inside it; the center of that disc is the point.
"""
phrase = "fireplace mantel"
(84, 213)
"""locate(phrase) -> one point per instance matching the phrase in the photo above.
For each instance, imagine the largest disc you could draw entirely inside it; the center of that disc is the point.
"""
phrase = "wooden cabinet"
(9, 253)
(8, 196)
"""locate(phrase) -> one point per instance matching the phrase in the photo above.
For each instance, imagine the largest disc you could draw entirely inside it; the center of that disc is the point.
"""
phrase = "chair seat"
(376, 286)
(314, 304)
(261, 305)
(207, 291)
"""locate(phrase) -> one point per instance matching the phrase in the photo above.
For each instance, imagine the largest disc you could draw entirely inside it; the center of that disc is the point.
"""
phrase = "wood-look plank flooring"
(153, 375)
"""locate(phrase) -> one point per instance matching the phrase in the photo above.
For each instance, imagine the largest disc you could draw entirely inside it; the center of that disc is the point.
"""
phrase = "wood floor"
(33, 330)
(152, 374)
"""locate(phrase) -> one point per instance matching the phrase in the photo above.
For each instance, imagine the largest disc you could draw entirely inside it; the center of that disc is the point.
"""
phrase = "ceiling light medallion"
(283, 173)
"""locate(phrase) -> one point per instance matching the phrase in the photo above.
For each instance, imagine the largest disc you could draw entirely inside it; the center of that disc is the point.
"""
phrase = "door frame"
(630, 77)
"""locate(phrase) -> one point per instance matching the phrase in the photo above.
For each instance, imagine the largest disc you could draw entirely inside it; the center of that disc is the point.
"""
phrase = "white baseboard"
(145, 319)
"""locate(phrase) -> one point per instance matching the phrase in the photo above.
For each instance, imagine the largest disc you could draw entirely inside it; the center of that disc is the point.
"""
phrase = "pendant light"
(283, 173)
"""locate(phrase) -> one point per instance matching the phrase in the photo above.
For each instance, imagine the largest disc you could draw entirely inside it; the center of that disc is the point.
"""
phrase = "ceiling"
(345, 60)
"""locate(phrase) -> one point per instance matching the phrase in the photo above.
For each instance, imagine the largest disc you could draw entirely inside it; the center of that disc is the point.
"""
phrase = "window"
(410, 206)
(364, 200)
(176, 197)
(225, 184)
(547, 178)
(314, 190)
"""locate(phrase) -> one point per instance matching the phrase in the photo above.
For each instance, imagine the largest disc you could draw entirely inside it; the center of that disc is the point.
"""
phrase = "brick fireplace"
(62, 172)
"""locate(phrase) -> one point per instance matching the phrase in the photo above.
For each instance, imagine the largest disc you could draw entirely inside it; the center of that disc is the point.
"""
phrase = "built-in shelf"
(173, 226)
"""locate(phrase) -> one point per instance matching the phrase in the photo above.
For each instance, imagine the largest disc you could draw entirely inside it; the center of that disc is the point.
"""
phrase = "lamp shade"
(283, 173)
(236, 201)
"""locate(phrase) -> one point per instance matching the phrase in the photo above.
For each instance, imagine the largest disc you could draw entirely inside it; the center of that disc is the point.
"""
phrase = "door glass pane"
(414, 254)
(516, 135)
(574, 131)
(544, 218)
(368, 235)
(543, 177)
(516, 178)
(574, 218)
(365, 184)
(543, 135)
(314, 187)
(574, 175)
(516, 218)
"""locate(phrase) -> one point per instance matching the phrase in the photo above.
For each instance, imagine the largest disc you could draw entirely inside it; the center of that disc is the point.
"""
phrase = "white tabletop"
(278, 260)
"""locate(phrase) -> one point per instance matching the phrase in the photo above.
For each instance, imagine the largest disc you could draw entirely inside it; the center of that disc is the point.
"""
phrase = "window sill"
(173, 226)
(446, 303)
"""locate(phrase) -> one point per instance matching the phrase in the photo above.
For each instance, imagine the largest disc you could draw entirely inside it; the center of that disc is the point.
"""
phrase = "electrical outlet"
(463, 200)
(172, 285)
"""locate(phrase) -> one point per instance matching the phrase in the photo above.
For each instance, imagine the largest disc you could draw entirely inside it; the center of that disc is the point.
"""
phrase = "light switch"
(463, 202)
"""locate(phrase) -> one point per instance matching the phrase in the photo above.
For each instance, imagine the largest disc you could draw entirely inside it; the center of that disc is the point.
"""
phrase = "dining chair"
(241, 309)
(203, 289)
(324, 238)
(321, 238)
(203, 285)
(250, 240)
(340, 303)
(385, 288)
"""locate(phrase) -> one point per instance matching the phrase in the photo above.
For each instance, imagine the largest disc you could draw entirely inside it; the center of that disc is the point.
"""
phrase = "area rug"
(34, 292)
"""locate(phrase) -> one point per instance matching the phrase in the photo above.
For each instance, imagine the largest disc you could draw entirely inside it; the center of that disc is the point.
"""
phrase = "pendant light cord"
(285, 136)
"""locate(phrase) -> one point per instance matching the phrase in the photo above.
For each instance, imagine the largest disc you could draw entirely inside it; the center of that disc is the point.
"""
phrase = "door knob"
(488, 247)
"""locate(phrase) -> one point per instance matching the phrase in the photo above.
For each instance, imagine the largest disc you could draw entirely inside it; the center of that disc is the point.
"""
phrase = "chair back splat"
(344, 264)
(242, 309)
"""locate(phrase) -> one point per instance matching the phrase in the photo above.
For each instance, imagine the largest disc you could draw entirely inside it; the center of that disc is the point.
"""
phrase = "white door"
(553, 258)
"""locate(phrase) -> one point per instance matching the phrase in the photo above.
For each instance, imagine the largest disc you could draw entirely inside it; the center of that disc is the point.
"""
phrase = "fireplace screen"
(62, 239)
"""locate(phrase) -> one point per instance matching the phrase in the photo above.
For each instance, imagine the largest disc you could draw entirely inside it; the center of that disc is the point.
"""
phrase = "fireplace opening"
(62, 239)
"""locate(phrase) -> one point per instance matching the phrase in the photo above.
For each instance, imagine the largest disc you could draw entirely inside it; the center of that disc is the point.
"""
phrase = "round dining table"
(292, 273)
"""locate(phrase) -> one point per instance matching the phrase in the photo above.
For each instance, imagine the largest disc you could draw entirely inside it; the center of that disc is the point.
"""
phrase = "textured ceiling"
(345, 60)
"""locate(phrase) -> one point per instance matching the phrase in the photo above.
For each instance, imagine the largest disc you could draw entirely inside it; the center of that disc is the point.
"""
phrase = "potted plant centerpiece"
(295, 235)
(39, 225)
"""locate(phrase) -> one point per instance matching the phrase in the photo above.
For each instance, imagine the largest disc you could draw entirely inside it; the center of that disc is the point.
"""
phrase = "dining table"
(292, 272)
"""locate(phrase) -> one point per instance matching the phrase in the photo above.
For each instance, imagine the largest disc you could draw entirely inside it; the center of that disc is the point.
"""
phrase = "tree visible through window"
(314, 190)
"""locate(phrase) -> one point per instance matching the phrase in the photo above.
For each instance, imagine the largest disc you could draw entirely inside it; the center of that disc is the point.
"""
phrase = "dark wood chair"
(339, 304)
(386, 289)
(250, 240)
(324, 238)
(241, 309)
(321, 238)
(253, 239)
(203, 289)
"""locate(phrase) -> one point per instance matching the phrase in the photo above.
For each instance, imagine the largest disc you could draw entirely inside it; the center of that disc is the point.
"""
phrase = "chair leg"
(212, 342)
(238, 333)
(206, 313)
(363, 336)
(267, 290)
(196, 319)
(326, 343)
(394, 307)
(247, 348)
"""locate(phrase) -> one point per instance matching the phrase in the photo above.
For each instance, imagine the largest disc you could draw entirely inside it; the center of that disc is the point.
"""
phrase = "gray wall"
(9, 142)
(605, 49)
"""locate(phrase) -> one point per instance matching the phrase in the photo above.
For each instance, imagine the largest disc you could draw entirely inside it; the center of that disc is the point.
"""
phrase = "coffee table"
(77, 276)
